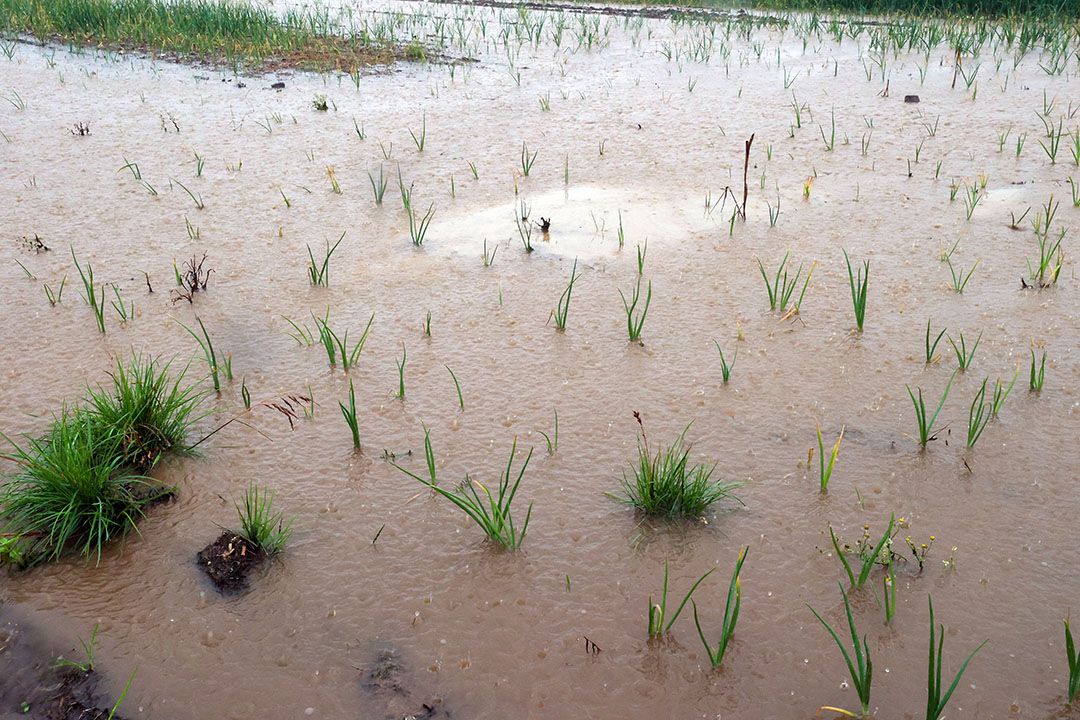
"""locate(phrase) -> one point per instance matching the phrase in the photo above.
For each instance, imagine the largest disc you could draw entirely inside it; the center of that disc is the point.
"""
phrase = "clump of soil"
(386, 680)
(72, 698)
(229, 560)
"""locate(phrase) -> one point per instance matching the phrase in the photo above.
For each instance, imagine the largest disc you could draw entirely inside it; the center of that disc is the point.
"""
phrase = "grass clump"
(83, 483)
(936, 700)
(491, 511)
(214, 31)
(861, 668)
(658, 611)
(664, 483)
(150, 411)
(731, 614)
(259, 525)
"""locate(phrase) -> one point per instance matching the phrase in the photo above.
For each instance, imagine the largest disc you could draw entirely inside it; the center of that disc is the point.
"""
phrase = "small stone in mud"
(911, 98)
(229, 560)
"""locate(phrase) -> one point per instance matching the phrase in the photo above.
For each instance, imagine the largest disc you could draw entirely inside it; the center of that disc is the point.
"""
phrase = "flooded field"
(623, 132)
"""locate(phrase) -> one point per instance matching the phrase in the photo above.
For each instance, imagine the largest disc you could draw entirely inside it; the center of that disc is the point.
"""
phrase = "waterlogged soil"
(35, 687)
(629, 134)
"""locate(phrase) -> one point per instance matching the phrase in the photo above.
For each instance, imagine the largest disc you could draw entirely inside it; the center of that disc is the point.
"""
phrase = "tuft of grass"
(979, 415)
(259, 525)
(658, 612)
(868, 559)
(1074, 663)
(207, 346)
(492, 512)
(553, 439)
(319, 274)
(960, 279)
(215, 31)
(563, 307)
(664, 483)
(862, 668)
(457, 387)
(96, 304)
(334, 344)
(86, 665)
(935, 700)
(725, 366)
(419, 224)
(527, 159)
(82, 483)
(964, 357)
(858, 283)
(1035, 383)
(349, 413)
(826, 468)
(1001, 392)
(55, 298)
(635, 323)
(71, 491)
(149, 411)
(931, 348)
(401, 374)
(780, 290)
(926, 429)
(731, 614)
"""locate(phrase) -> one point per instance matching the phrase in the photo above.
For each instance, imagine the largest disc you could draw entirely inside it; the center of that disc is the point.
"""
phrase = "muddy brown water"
(487, 634)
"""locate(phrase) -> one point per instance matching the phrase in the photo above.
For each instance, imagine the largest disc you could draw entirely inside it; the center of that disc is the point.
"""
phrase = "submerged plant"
(1074, 663)
(731, 614)
(926, 428)
(88, 652)
(725, 366)
(780, 290)
(859, 283)
(96, 304)
(208, 351)
(868, 555)
(826, 468)
(658, 612)
(563, 307)
(634, 323)
(349, 413)
(979, 415)
(935, 700)
(259, 525)
(964, 357)
(862, 668)
(319, 274)
(1035, 383)
(931, 348)
(665, 484)
(492, 512)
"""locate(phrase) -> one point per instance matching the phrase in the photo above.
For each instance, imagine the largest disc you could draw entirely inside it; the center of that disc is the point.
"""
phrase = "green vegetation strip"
(212, 31)
(926, 8)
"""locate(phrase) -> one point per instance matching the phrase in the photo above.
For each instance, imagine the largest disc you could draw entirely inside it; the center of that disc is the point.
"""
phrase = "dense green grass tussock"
(205, 30)
(84, 481)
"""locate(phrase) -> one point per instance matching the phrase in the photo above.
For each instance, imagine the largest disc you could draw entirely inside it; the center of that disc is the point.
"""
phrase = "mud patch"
(387, 681)
(228, 561)
(32, 687)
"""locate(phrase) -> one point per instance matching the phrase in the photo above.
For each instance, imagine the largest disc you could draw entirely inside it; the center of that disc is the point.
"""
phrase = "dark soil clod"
(229, 560)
